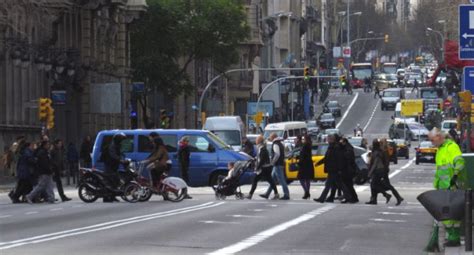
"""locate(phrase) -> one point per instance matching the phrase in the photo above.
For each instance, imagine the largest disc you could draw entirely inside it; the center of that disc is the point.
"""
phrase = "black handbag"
(294, 167)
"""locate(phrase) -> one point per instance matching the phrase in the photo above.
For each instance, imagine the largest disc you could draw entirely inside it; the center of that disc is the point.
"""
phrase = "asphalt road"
(204, 225)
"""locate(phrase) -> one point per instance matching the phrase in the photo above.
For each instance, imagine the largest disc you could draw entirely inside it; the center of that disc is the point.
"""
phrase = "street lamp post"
(429, 29)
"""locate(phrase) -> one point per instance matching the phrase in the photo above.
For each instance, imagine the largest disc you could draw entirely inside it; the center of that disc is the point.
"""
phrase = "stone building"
(74, 51)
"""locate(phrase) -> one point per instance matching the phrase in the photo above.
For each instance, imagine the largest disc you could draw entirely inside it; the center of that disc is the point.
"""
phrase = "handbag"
(294, 167)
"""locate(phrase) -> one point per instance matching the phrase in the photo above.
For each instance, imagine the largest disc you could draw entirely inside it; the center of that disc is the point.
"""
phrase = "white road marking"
(244, 216)
(371, 116)
(29, 213)
(256, 210)
(394, 213)
(348, 110)
(386, 220)
(219, 222)
(4, 216)
(57, 209)
(76, 206)
(262, 236)
(104, 226)
(345, 245)
(272, 205)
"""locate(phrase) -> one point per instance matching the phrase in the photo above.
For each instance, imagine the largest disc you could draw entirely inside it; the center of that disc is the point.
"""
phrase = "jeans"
(267, 177)
(278, 174)
(45, 185)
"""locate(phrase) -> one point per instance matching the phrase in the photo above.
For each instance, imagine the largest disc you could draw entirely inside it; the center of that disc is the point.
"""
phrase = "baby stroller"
(230, 187)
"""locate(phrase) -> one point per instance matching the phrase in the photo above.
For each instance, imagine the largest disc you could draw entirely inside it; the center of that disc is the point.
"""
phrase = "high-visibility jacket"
(449, 162)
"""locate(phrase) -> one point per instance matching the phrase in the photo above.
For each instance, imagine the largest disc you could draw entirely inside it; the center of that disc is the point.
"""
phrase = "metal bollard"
(468, 219)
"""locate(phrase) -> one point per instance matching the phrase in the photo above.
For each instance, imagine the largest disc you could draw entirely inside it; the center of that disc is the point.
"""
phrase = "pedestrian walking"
(298, 142)
(415, 86)
(44, 171)
(58, 163)
(386, 180)
(73, 163)
(278, 163)
(333, 162)
(263, 168)
(450, 170)
(24, 173)
(85, 153)
(377, 172)
(349, 172)
(305, 166)
(184, 154)
(376, 92)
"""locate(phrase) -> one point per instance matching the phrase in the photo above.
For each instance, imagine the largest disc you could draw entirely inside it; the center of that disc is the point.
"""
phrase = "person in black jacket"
(24, 172)
(348, 173)
(263, 168)
(58, 160)
(85, 153)
(184, 154)
(45, 175)
(305, 165)
(112, 160)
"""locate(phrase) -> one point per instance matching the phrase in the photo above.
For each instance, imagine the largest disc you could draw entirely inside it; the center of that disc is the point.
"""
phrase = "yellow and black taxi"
(425, 152)
(318, 152)
(403, 148)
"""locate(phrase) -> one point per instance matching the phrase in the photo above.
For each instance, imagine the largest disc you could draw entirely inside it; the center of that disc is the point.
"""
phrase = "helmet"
(119, 137)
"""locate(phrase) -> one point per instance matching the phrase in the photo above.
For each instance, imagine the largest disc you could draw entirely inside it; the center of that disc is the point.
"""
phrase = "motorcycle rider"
(112, 160)
(358, 131)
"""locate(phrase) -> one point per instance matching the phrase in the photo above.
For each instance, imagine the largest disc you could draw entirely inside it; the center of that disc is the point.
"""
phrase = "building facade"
(75, 52)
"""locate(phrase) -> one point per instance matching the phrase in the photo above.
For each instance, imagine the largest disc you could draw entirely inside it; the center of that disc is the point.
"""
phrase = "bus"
(359, 72)
(390, 68)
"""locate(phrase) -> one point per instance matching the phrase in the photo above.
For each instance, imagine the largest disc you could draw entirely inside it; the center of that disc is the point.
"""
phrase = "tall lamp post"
(429, 29)
(348, 18)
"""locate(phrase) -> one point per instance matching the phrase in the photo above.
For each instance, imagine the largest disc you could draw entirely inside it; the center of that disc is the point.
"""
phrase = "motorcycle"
(173, 189)
(95, 184)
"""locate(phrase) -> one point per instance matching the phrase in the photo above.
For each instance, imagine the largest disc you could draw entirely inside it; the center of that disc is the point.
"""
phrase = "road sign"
(263, 106)
(258, 118)
(346, 52)
(468, 79)
(466, 31)
(412, 107)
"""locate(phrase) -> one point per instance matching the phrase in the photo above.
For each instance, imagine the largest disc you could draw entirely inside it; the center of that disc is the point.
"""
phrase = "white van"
(230, 129)
(286, 130)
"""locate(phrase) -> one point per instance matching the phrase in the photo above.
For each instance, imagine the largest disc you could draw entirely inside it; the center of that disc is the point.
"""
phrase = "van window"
(198, 144)
(291, 133)
(170, 142)
(231, 137)
(127, 144)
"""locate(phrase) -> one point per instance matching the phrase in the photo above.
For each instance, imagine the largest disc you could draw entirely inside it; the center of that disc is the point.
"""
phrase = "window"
(291, 133)
(198, 144)
(127, 144)
(170, 141)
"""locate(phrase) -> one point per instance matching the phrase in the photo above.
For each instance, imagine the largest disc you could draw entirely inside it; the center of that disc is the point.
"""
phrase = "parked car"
(312, 127)
(318, 152)
(332, 107)
(425, 152)
(385, 80)
(326, 120)
(446, 125)
(410, 131)
(410, 79)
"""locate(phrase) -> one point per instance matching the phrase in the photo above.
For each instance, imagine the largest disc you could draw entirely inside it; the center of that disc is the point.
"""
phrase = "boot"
(306, 196)
(373, 201)
(249, 196)
(387, 197)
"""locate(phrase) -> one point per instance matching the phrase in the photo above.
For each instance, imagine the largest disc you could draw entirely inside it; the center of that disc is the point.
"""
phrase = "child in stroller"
(230, 185)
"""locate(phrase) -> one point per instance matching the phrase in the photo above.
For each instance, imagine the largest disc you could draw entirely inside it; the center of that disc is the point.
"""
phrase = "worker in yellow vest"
(449, 174)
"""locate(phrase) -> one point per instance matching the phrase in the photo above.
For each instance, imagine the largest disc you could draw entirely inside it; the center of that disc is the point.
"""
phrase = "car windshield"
(327, 117)
(332, 131)
(279, 133)
(426, 144)
(361, 74)
(429, 94)
(217, 141)
(332, 104)
(321, 150)
(449, 125)
(311, 124)
(391, 94)
(355, 141)
(231, 137)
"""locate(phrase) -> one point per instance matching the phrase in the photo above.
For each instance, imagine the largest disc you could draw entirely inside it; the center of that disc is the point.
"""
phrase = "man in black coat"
(333, 163)
(44, 172)
(112, 159)
(348, 173)
(184, 154)
(263, 168)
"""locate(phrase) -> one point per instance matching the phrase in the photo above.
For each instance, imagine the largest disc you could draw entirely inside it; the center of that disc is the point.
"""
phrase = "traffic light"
(133, 119)
(386, 39)
(465, 99)
(43, 107)
(50, 119)
(306, 73)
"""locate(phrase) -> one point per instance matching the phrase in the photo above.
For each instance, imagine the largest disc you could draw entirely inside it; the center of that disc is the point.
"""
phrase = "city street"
(205, 225)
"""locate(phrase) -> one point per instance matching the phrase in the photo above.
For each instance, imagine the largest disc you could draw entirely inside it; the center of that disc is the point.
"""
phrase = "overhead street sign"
(412, 107)
(466, 31)
(468, 79)
(346, 52)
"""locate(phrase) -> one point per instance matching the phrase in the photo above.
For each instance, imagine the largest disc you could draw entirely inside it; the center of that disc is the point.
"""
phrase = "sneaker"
(276, 197)
(65, 199)
(263, 196)
(248, 197)
(285, 198)
(188, 197)
(318, 200)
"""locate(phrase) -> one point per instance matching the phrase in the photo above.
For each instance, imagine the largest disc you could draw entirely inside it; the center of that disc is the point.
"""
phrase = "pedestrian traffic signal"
(465, 99)
(43, 107)
(386, 38)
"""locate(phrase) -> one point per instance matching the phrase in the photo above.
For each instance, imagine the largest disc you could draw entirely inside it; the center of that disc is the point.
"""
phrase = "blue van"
(209, 154)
